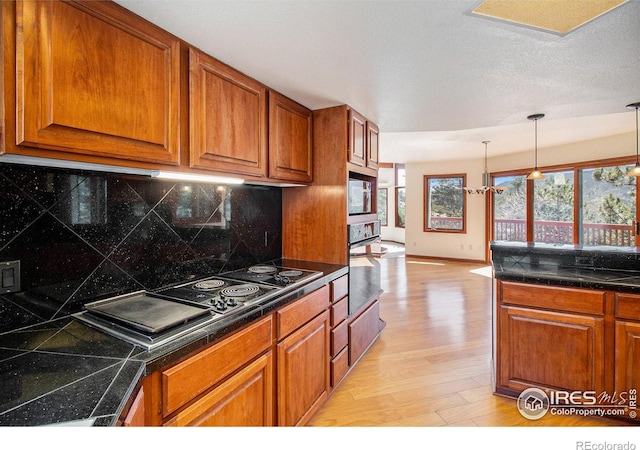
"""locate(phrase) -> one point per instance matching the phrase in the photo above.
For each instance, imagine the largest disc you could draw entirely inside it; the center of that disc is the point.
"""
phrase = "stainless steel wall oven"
(364, 264)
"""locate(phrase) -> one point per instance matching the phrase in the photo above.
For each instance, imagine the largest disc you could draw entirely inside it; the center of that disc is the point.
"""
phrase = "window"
(553, 200)
(400, 183)
(444, 203)
(607, 206)
(606, 211)
(382, 206)
(510, 209)
(400, 175)
(400, 207)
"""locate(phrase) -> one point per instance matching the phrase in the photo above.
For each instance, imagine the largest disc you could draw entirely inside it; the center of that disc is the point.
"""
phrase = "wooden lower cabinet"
(551, 350)
(627, 370)
(209, 387)
(551, 337)
(246, 399)
(274, 371)
(627, 338)
(303, 381)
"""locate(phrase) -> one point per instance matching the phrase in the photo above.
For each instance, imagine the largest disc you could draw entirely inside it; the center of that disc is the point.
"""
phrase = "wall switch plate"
(9, 277)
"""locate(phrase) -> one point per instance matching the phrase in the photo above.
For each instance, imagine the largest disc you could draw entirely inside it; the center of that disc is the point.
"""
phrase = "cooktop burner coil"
(290, 273)
(240, 290)
(262, 269)
(209, 285)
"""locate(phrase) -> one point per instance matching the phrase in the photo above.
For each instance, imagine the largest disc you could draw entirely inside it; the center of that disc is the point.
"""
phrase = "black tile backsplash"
(82, 236)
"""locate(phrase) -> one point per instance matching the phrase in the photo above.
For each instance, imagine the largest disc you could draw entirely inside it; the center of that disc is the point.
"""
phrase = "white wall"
(471, 245)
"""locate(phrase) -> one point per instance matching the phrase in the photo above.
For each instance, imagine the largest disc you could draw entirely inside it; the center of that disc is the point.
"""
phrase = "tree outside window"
(382, 206)
(553, 200)
(444, 203)
(400, 207)
(510, 209)
(607, 206)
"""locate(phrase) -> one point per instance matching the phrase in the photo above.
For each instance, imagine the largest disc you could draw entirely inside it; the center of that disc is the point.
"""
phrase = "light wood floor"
(432, 364)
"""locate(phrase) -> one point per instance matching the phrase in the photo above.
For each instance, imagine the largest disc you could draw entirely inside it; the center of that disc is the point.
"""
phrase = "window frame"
(426, 202)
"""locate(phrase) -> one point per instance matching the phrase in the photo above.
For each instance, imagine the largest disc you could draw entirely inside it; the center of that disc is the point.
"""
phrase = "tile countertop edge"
(238, 322)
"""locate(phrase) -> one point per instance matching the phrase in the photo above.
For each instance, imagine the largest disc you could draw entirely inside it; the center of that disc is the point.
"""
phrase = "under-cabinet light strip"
(195, 177)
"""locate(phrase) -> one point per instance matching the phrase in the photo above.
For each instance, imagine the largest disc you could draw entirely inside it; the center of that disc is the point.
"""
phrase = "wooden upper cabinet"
(357, 138)
(372, 145)
(290, 140)
(228, 118)
(363, 141)
(94, 79)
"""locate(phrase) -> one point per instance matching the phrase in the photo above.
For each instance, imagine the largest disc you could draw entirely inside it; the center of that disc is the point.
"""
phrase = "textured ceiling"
(437, 79)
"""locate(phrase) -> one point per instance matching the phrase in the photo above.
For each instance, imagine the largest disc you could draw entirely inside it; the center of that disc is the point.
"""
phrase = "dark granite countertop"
(62, 371)
(609, 268)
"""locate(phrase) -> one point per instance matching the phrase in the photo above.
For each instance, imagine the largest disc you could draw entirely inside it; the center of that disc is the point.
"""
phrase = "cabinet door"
(245, 399)
(357, 138)
(290, 149)
(227, 118)
(627, 361)
(372, 145)
(94, 79)
(303, 372)
(549, 349)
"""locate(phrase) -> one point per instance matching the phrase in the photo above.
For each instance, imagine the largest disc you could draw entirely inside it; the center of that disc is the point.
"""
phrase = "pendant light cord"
(637, 138)
(535, 123)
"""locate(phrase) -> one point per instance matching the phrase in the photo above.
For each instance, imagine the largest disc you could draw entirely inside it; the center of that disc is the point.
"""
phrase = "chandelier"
(486, 179)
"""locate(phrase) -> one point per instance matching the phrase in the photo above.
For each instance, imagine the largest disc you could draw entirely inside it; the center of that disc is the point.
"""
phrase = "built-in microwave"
(360, 196)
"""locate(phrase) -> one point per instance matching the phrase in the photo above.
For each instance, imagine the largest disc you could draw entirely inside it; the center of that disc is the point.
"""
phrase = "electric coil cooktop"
(151, 319)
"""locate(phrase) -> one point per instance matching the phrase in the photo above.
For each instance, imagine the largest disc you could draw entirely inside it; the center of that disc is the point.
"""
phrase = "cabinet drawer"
(339, 288)
(339, 311)
(628, 306)
(186, 380)
(301, 311)
(339, 338)
(339, 366)
(584, 301)
(363, 331)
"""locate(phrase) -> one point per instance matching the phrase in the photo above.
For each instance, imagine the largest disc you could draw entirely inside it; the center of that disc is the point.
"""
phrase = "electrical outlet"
(9, 277)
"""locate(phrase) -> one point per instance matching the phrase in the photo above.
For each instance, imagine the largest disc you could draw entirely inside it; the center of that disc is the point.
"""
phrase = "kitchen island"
(63, 371)
(567, 318)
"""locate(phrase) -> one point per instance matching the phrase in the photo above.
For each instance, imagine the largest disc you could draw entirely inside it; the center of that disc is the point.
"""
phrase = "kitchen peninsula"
(567, 318)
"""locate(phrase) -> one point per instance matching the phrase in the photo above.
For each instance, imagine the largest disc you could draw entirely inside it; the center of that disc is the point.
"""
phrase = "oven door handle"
(368, 241)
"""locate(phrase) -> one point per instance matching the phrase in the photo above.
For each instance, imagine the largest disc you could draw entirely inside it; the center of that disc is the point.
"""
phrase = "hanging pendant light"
(486, 179)
(635, 172)
(536, 174)
(485, 175)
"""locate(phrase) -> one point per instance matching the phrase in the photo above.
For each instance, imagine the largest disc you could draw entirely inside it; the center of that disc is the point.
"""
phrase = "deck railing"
(562, 232)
